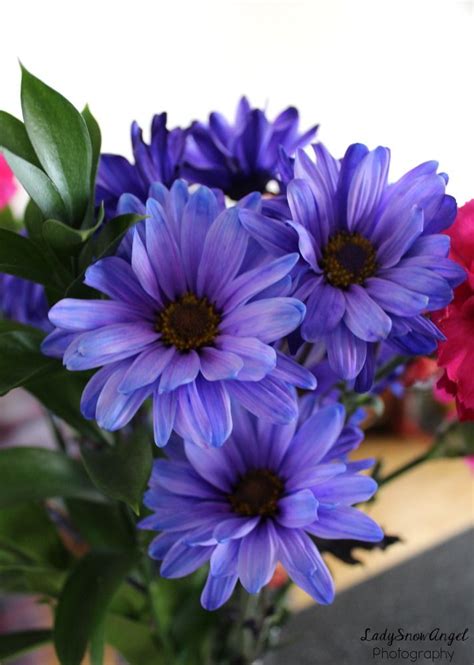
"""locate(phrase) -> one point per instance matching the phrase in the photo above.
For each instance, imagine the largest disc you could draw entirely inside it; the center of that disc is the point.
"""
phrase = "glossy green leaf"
(13, 137)
(121, 471)
(112, 235)
(14, 644)
(60, 138)
(38, 185)
(30, 474)
(22, 257)
(63, 238)
(102, 244)
(33, 221)
(84, 601)
(21, 359)
(96, 141)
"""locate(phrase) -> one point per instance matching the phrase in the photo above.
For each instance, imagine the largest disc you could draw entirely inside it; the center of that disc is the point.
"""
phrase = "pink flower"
(456, 321)
(462, 238)
(7, 183)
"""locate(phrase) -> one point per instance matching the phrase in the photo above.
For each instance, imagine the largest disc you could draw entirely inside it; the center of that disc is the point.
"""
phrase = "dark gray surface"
(432, 590)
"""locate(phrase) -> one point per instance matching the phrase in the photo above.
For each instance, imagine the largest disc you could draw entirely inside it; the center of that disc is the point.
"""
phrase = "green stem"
(406, 467)
(305, 353)
(262, 634)
(255, 627)
(160, 631)
(388, 368)
(57, 432)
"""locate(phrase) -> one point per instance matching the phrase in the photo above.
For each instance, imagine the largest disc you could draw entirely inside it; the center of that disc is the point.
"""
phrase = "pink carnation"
(456, 321)
(7, 183)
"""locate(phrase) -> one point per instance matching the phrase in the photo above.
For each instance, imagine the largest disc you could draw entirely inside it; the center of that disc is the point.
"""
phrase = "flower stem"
(406, 467)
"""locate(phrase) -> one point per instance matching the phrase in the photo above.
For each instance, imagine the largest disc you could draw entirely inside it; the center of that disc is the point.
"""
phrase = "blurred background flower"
(8, 185)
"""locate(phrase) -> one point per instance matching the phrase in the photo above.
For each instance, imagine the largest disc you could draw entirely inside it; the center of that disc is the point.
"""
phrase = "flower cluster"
(235, 158)
(260, 288)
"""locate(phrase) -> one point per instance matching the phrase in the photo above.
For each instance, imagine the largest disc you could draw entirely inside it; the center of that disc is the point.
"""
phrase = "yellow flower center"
(257, 493)
(188, 323)
(348, 258)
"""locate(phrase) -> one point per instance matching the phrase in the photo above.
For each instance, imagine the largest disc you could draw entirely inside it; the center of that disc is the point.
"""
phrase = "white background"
(391, 72)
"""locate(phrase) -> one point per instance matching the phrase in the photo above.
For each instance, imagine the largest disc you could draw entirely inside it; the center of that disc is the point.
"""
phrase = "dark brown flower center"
(188, 323)
(257, 493)
(348, 258)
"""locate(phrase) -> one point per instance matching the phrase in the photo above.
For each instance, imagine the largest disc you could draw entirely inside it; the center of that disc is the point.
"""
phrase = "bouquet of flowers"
(206, 329)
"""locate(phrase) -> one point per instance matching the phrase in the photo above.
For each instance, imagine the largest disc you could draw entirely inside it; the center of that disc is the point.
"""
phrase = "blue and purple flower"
(373, 259)
(24, 301)
(256, 502)
(242, 157)
(184, 324)
(160, 161)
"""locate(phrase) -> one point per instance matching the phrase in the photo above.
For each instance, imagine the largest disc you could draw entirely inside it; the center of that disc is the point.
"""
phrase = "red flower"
(280, 577)
(419, 370)
(456, 321)
(7, 183)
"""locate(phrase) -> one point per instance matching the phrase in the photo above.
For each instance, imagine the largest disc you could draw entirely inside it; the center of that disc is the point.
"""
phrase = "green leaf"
(34, 222)
(133, 640)
(29, 538)
(99, 246)
(96, 140)
(102, 525)
(40, 188)
(13, 137)
(15, 644)
(60, 392)
(30, 579)
(63, 238)
(121, 471)
(456, 440)
(21, 359)
(8, 221)
(60, 138)
(97, 645)
(113, 232)
(30, 474)
(131, 602)
(21, 257)
(84, 602)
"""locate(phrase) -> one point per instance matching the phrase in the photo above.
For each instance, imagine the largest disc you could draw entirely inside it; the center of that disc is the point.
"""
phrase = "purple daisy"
(373, 259)
(160, 161)
(183, 324)
(258, 501)
(24, 301)
(242, 157)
